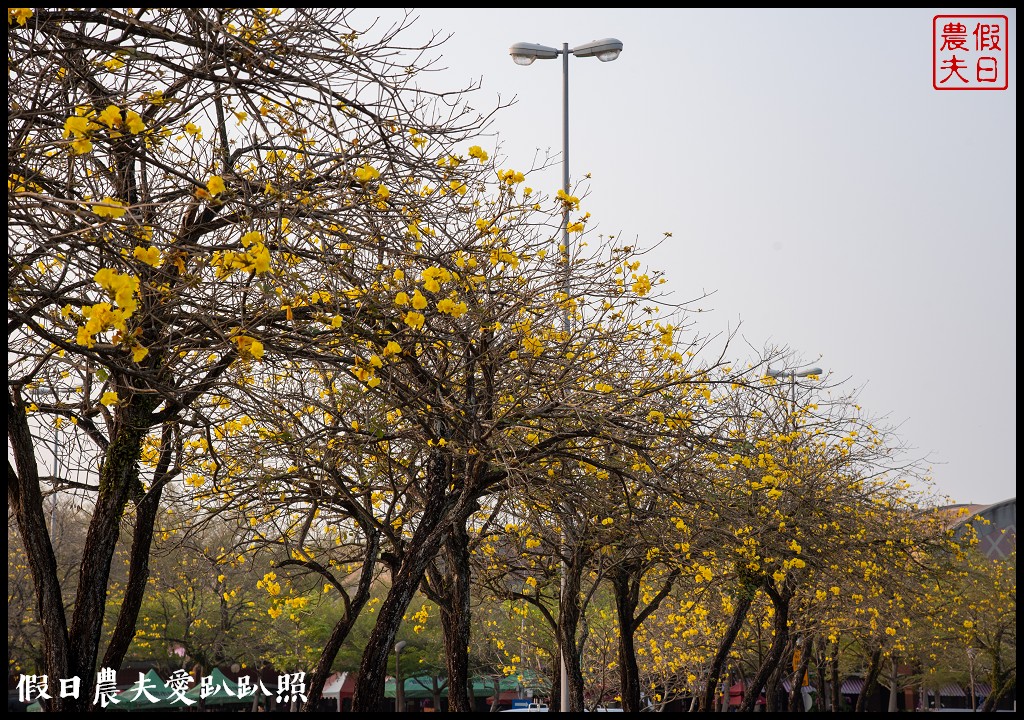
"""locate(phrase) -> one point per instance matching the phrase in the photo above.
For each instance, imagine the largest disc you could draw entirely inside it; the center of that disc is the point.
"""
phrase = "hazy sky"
(813, 181)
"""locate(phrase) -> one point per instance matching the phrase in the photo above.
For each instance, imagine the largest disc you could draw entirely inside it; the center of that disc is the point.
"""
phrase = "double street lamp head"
(526, 53)
(604, 50)
(794, 373)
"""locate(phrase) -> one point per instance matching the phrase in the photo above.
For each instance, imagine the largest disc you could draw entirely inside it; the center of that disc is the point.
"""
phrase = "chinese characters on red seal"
(970, 52)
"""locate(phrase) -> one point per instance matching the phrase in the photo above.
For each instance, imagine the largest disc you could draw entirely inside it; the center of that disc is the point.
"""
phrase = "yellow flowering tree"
(795, 491)
(169, 224)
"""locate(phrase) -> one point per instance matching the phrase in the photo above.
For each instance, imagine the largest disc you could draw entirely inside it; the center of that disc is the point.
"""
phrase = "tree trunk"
(819, 677)
(775, 701)
(146, 508)
(118, 477)
(739, 614)
(894, 687)
(998, 692)
(874, 666)
(434, 523)
(626, 578)
(626, 600)
(836, 687)
(780, 625)
(435, 693)
(373, 668)
(556, 679)
(138, 577)
(496, 698)
(26, 500)
(569, 614)
(796, 697)
(456, 617)
(694, 703)
(344, 625)
(1001, 680)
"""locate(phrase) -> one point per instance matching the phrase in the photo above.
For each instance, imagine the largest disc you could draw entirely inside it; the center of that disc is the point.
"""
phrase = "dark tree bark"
(556, 678)
(795, 694)
(833, 664)
(353, 606)
(119, 475)
(373, 668)
(147, 505)
(626, 579)
(117, 478)
(824, 688)
(870, 680)
(456, 616)
(1001, 679)
(26, 500)
(739, 614)
(434, 522)
(780, 625)
(570, 612)
(775, 698)
(626, 600)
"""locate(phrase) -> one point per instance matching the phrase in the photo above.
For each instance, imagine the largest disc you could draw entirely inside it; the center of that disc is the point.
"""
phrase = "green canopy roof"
(225, 694)
(126, 699)
(421, 686)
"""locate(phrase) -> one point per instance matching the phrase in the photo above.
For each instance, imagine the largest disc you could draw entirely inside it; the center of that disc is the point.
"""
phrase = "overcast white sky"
(813, 180)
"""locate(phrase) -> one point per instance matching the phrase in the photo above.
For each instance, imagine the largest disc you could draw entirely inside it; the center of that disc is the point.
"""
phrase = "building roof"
(852, 686)
(952, 690)
(997, 535)
(339, 685)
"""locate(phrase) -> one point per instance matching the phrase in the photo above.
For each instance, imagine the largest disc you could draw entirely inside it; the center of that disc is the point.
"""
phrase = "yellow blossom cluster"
(19, 15)
(121, 287)
(418, 140)
(255, 259)
(81, 126)
(270, 584)
(503, 256)
(571, 202)
(102, 316)
(366, 173)
(642, 285)
(150, 255)
(248, 346)
(450, 307)
(110, 208)
(433, 277)
(511, 176)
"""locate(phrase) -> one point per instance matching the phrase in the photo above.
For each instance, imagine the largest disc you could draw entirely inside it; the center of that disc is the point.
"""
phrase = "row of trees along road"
(270, 290)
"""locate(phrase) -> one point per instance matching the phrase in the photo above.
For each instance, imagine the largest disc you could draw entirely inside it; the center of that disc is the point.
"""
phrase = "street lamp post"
(971, 652)
(604, 50)
(793, 375)
(399, 685)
